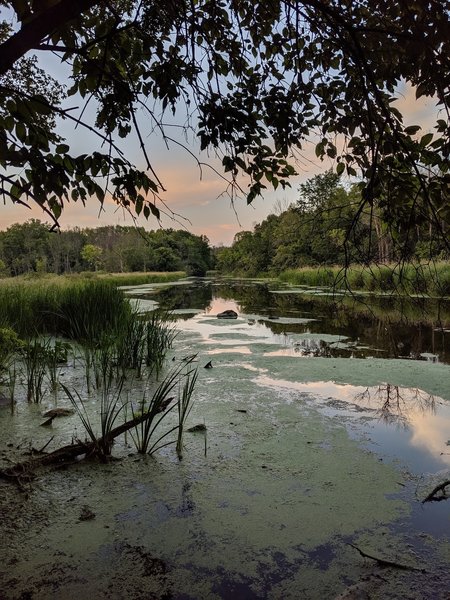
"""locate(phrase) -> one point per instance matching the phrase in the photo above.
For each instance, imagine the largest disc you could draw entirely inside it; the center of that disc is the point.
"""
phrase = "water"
(327, 423)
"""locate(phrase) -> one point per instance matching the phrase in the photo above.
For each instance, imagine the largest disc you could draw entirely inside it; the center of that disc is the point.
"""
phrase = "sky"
(197, 199)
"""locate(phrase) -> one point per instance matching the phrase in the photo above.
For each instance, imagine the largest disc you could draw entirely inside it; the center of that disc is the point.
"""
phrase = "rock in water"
(58, 412)
(228, 314)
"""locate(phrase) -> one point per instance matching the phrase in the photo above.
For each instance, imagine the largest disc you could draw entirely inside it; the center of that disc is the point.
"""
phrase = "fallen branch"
(387, 563)
(439, 488)
(24, 470)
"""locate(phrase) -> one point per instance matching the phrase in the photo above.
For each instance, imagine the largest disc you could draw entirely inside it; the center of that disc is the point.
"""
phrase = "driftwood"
(439, 488)
(23, 471)
(387, 563)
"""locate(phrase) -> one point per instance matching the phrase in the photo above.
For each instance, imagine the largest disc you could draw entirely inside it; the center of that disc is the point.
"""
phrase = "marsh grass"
(431, 278)
(147, 436)
(129, 279)
(155, 409)
(184, 405)
(34, 360)
(160, 334)
(56, 356)
(111, 407)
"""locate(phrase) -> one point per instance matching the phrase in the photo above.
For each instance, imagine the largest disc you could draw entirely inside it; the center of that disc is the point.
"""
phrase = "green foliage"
(256, 80)
(10, 344)
(92, 255)
(320, 229)
(31, 247)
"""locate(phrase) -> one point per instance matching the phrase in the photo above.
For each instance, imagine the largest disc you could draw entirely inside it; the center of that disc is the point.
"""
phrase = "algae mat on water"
(269, 512)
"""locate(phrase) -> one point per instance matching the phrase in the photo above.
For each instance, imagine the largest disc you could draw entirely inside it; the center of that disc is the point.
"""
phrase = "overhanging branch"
(38, 28)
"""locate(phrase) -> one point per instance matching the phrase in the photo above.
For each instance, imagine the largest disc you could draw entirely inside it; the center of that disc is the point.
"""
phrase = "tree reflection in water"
(397, 404)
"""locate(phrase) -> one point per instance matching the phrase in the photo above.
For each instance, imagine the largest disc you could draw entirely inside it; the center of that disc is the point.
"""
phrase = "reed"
(155, 409)
(34, 358)
(160, 334)
(146, 437)
(111, 407)
(131, 279)
(431, 278)
(184, 405)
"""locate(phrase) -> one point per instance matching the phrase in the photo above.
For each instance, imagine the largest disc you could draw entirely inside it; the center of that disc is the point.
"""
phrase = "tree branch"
(38, 28)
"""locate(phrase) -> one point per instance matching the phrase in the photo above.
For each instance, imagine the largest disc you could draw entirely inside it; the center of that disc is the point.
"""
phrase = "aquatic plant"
(432, 278)
(111, 407)
(10, 345)
(160, 334)
(146, 437)
(132, 279)
(56, 356)
(184, 405)
(154, 409)
(34, 355)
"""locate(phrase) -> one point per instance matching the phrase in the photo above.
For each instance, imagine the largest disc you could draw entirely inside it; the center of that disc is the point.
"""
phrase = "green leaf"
(21, 131)
(62, 149)
(340, 168)
(412, 129)
(426, 139)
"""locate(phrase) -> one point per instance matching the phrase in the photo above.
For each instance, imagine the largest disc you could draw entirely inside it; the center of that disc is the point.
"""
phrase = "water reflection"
(397, 404)
(412, 328)
(405, 422)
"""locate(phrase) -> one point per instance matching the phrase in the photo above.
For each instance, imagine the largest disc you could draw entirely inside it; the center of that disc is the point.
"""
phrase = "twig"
(387, 563)
(439, 488)
(45, 445)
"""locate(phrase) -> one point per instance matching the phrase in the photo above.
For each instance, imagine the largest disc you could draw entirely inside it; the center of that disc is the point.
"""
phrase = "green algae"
(267, 513)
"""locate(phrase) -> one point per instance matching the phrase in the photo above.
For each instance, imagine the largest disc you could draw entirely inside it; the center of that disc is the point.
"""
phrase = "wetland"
(326, 423)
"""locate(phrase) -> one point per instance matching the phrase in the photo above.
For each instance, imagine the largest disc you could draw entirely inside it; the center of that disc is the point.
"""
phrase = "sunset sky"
(200, 202)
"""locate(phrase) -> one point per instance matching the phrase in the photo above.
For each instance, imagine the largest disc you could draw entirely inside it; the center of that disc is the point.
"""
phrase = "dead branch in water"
(439, 488)
(24, 471)
(387, 563)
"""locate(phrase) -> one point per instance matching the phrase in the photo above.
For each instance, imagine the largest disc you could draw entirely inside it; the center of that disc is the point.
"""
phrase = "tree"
(257, 79)
(92, 255)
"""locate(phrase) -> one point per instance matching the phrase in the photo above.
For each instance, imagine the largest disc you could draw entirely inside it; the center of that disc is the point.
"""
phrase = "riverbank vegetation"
(317, 242)
(80, 339)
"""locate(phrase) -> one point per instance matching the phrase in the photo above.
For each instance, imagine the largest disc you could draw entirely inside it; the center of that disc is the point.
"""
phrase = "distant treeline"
(329, 225)
(32, 247)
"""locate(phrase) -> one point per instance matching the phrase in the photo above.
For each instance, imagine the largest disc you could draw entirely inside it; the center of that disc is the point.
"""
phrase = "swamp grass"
(431, 278)
(93, 316)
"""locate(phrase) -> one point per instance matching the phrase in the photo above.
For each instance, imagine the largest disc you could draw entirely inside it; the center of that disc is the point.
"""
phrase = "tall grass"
(35, 357)
(111, 407)
(406, 278)
(184, 405)
(78, 309)
(129, 279)
(147, 436)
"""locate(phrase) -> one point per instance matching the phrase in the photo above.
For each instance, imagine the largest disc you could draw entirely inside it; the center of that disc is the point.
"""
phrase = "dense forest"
(321, 229)
(33, 247)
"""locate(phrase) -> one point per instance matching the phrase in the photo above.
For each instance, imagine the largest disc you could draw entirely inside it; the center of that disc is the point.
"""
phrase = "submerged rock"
(228, 314)
(200, 427)
(58, 412)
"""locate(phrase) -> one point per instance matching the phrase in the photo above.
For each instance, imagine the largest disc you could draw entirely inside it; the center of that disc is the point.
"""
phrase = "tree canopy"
(319, 230)
(30, 247)
(256, 80)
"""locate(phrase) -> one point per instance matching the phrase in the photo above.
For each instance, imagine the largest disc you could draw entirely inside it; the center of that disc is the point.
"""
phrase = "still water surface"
(371, 348)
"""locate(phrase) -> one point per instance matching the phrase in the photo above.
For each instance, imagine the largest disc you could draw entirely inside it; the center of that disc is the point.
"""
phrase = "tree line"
(321, 229)
(33, 247)
(252, 81)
